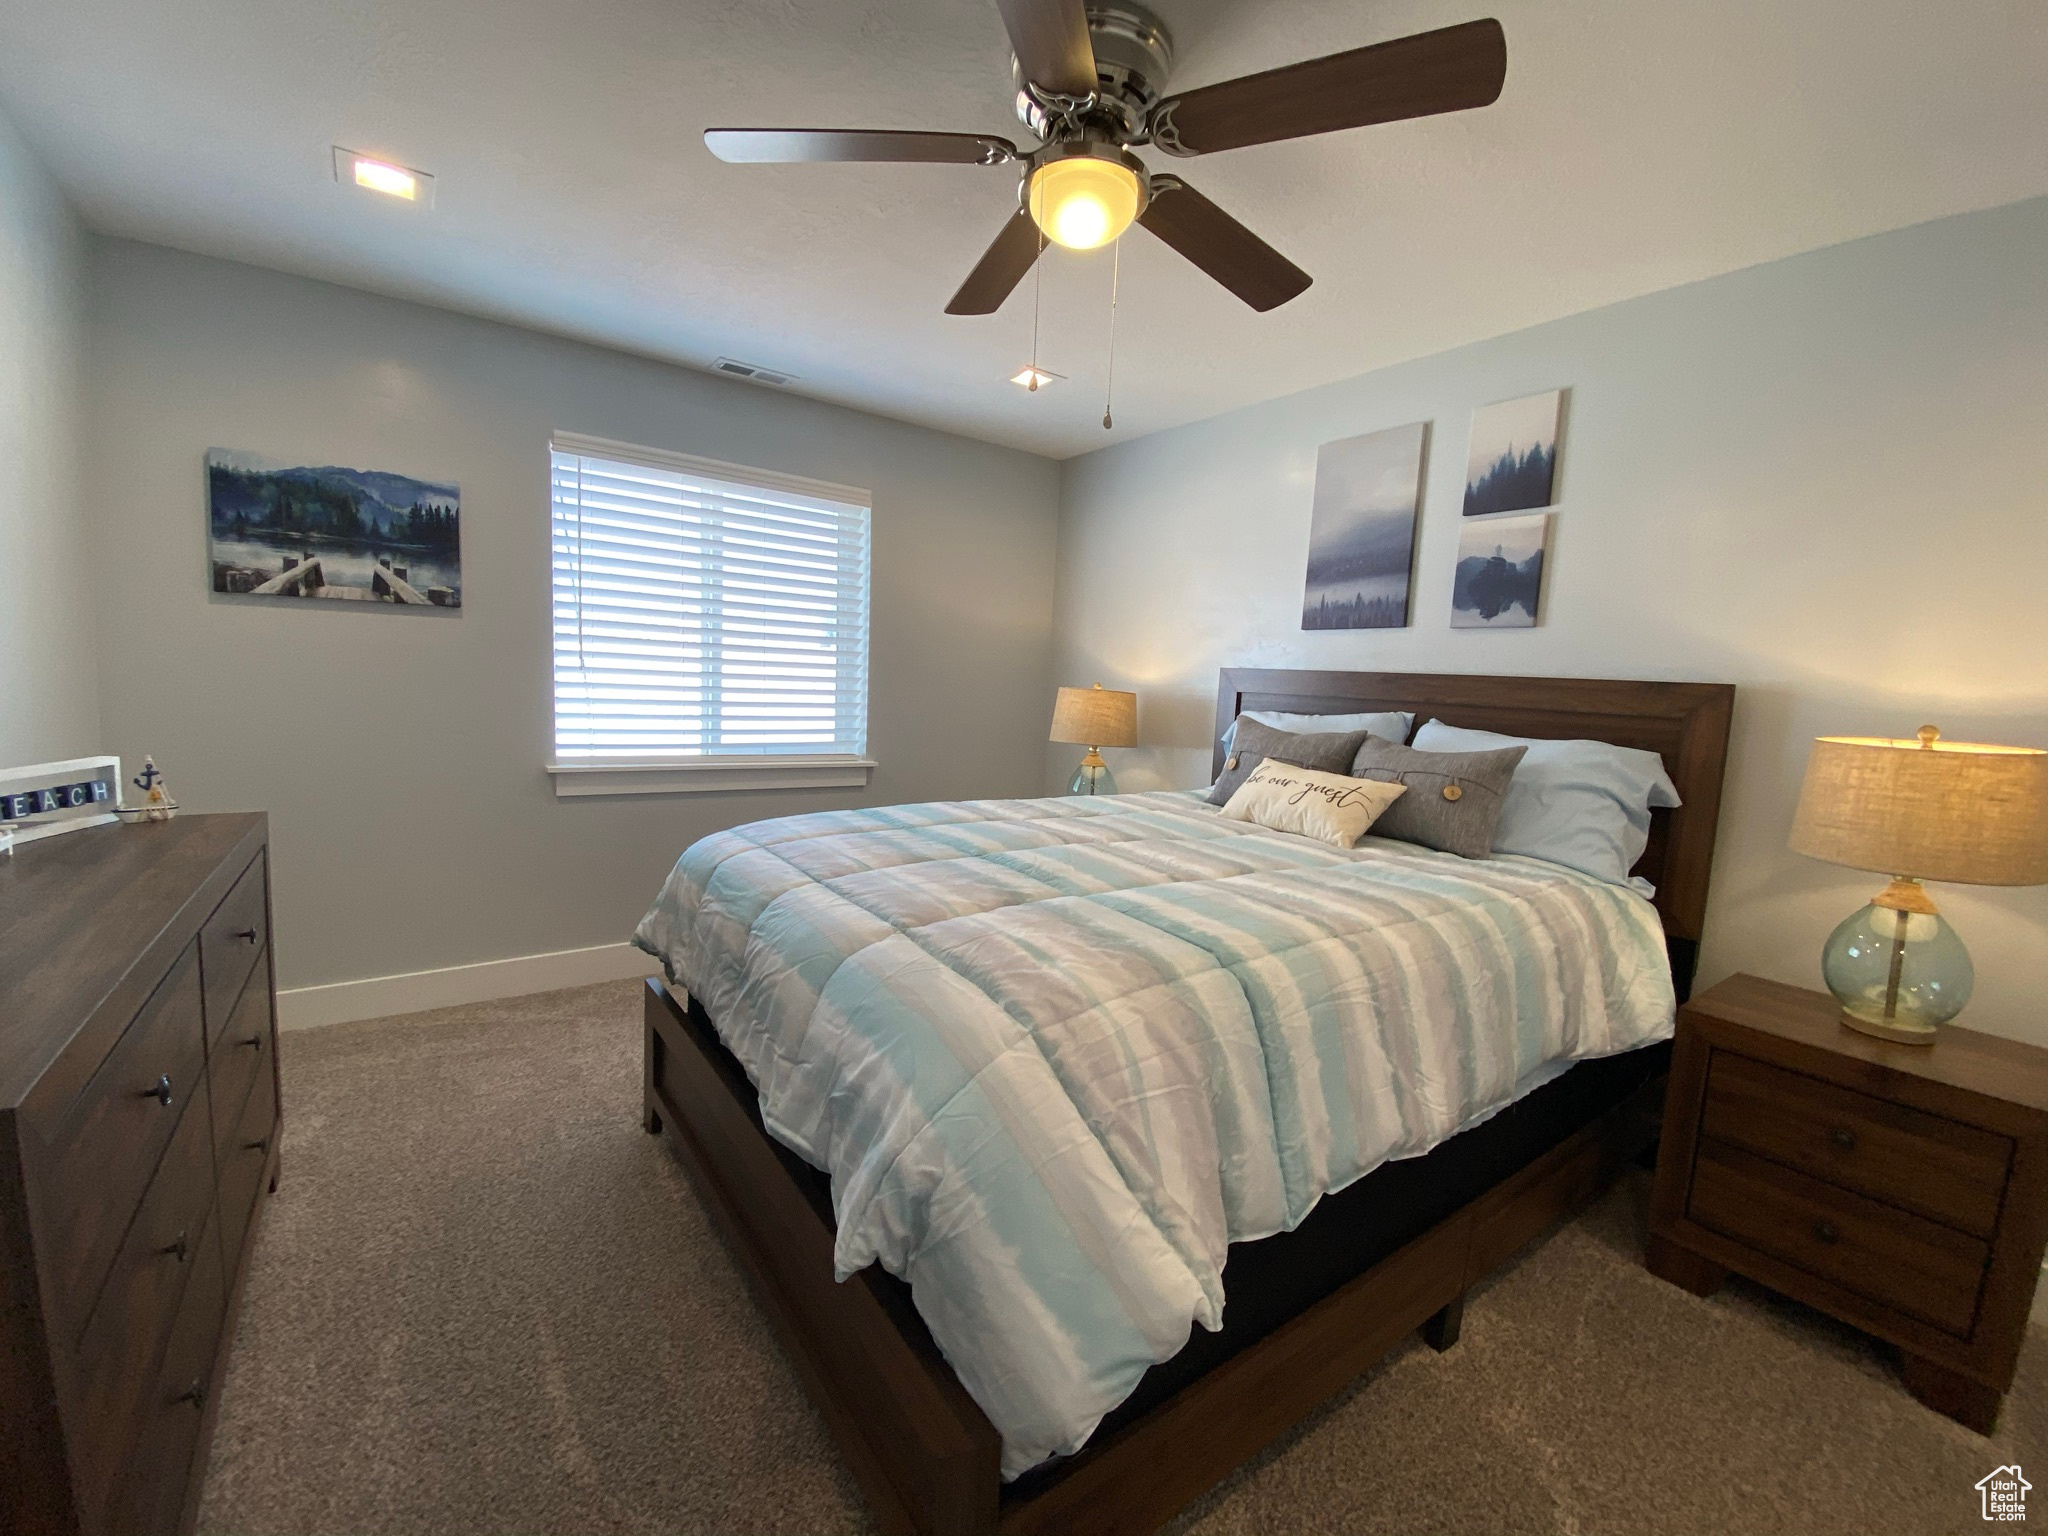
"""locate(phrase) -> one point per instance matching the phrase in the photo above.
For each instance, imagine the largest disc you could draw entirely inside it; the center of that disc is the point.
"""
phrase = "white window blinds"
(703, 610)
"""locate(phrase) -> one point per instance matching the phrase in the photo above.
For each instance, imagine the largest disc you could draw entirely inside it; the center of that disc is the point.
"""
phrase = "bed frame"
(924, 1454)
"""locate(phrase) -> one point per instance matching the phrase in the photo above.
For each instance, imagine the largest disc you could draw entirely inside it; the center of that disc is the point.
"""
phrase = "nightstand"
(1900, 1188)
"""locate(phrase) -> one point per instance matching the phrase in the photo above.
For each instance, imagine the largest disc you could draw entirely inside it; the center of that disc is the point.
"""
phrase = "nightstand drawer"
(1888, 1256)
(1938, 1168)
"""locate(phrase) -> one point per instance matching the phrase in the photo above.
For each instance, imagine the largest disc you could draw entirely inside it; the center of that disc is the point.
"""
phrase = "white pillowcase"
(1583, 804)
(1332, 807)
(1387, 724)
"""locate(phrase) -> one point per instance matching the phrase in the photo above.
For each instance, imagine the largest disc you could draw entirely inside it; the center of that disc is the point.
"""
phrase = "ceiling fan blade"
(1050, 39)
(1447, 70)
(1220, 246)
(756, 146)
(1001, 268)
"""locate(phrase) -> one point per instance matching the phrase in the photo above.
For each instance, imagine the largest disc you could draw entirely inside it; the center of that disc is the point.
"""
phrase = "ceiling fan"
(1090, 84)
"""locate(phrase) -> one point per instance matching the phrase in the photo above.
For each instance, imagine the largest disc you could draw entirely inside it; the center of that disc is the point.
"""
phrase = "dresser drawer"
(1888, 1256)
(239, 1053)
(1938, 1168)
(242, 1165)
(133, 1315)
(230, 942)
(102, 1159)
(149, 1492)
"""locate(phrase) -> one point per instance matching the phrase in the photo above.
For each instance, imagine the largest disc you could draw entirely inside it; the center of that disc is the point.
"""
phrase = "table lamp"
(1924, 809)
(1095, 718)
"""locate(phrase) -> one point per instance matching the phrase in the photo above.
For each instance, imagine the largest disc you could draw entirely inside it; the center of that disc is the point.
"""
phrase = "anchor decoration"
(157, 804)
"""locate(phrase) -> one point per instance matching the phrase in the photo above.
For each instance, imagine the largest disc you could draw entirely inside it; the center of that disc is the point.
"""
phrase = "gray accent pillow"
(1454, 799)
(1328, 752)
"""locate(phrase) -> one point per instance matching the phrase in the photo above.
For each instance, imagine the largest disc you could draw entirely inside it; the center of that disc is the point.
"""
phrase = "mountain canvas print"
(1499, 584)
(355, 535)
(1513, 462)
(1361, 538)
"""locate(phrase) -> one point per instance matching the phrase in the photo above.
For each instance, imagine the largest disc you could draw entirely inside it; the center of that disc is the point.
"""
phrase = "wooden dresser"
(1901, 1188)
(138, 1136)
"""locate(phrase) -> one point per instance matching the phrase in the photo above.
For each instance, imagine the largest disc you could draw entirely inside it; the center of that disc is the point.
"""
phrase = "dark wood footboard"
(925, 1455)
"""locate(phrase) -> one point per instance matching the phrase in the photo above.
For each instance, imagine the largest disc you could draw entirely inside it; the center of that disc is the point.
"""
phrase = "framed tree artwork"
(1512, 465)
(1361, 540)
(1499, 581)
(325, 532)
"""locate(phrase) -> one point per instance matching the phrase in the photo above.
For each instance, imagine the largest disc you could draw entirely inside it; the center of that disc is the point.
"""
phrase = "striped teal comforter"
(1057, 1055)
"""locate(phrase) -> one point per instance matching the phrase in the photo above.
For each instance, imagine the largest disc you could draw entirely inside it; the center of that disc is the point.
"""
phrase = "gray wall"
(1822, 480)
(400, 753)
(49, 706)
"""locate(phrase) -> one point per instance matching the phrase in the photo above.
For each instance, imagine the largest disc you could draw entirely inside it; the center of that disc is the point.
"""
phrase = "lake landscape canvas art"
(1499, 584)
(1361, 539)
(1513, 463)
(324, 532)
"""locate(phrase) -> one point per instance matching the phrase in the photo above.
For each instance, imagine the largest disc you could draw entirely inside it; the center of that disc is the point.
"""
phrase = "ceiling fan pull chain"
(1116, 266)
(1037, 287)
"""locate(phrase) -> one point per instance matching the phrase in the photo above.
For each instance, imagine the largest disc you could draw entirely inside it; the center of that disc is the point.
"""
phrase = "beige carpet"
(484, 1301)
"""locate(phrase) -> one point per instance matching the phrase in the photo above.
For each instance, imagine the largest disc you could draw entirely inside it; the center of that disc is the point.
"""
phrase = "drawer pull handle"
(160, 1090)
(180, 1247)
(194, 1394)
(257, 1146)
(1843, 1138)
(246, 933)
(1827, 1231)
(255, 1041)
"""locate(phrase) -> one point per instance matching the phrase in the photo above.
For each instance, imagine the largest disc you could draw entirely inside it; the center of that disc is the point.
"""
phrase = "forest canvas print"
(1361, 540)
(1513, 463)
(1499, 583)
(324, 532)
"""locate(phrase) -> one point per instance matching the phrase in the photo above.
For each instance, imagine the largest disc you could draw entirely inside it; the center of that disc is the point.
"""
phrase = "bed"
(1091, 1077)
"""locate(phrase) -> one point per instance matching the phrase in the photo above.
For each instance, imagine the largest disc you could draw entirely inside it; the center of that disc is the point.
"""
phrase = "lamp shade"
(1096, 717)
(1926, 809)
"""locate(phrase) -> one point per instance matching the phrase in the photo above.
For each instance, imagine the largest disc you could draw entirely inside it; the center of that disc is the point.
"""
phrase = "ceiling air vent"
(754, 371)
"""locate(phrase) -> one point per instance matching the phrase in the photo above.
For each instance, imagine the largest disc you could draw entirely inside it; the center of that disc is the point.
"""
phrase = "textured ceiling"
(1639, 144)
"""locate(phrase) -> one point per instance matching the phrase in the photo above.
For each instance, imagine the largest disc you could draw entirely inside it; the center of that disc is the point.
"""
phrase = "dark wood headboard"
(1686, 724)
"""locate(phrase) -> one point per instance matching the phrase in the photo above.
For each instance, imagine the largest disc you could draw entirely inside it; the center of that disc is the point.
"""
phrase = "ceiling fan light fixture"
(1033, 377)
(1086, 198)
(1092, 81)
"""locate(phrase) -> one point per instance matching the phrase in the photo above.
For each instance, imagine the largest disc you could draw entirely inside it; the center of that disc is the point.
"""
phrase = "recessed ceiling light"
(1033, 377)
(383, 176)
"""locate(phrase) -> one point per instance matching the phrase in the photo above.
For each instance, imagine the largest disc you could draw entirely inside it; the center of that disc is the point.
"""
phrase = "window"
(710, 625)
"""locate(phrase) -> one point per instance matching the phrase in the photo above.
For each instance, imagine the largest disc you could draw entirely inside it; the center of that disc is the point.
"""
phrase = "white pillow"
(1583, 804)
(1333, 807)
(1387, 724)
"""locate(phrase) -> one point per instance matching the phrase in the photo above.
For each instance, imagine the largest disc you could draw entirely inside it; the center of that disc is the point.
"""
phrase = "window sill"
(709, 775)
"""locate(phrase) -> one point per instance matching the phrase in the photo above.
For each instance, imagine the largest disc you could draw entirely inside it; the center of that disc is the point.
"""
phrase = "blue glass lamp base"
(1092, 777)
(1897, 974)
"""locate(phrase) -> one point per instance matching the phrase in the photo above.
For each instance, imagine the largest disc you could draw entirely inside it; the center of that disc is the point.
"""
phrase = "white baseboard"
(376, 996)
